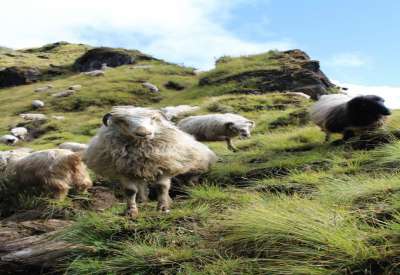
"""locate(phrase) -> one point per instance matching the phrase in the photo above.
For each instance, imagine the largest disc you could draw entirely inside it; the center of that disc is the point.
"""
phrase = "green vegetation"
(286, 203)
(228, 66)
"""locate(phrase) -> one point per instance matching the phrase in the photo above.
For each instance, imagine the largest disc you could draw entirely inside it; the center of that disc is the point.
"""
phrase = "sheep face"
(138, 124)
(241, 129)
(365, 110)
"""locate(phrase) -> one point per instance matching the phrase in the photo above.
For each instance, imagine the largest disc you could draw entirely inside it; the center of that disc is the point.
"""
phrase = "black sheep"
(339, 113)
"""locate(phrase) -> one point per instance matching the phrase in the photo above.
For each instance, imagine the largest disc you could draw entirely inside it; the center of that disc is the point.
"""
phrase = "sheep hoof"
(163, 209)
(132, 213)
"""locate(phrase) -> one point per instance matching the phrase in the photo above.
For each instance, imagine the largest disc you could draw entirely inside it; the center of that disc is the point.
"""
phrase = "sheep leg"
(194, 180)
(230, 145)
(327, 137)
(163, 198)
(143, 193)
(348, 134)
(131, 191)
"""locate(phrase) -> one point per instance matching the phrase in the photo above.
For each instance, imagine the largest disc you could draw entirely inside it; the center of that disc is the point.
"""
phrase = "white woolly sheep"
(339, 113)
(217, 127)
(34, 117)
(73, 146)
(9, 139)
(172, 112)
(153, 88)
(19, 132)
(54, 171)
(37, 104)
(139, 146)
(95, 73)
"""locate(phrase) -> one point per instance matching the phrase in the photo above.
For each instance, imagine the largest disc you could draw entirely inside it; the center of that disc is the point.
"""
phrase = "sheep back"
(210, 127)
(170, 152)
(55, 170)
(329, 112)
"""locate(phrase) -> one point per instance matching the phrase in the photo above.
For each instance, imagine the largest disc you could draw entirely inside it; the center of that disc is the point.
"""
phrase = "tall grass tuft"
(291, 235)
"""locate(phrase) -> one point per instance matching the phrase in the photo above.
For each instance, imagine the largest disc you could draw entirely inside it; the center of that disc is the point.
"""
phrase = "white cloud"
(391, 94)
(183, 31)
(348, 60)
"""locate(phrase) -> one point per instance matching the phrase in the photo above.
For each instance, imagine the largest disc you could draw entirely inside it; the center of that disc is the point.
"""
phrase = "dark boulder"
(95, 58)
(14, 76)
(173, 85)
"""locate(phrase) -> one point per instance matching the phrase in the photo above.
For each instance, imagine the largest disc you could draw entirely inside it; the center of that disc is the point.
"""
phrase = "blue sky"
(356, 41)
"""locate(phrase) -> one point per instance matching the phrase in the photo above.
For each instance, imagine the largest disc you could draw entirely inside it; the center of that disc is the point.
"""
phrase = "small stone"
(153, 88)
(9, 139)
(64, 93)
(37, 104)
(76, 87)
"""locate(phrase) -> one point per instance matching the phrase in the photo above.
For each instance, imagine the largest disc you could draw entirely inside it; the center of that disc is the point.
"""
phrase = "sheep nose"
(142, 131)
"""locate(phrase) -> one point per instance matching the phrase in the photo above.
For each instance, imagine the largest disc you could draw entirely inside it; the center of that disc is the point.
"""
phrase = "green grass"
(286, 203)
(227, 66)
(289, 235)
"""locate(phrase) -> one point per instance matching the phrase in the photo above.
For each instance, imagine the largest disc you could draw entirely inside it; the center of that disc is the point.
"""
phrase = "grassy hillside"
(286, 203)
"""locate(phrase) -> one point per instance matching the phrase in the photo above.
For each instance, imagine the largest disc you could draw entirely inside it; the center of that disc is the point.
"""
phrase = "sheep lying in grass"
(54, 171)
(217, 127)
(340, 113)
(139, 146)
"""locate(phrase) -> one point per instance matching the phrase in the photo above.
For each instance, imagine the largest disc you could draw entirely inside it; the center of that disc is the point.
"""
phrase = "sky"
(356, 41)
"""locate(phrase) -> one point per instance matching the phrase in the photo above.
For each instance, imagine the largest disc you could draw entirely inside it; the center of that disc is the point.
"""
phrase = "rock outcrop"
(296, 72)
(95, 58)
(13, 76)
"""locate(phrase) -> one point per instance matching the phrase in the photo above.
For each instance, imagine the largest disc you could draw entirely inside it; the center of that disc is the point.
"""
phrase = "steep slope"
(286, 203)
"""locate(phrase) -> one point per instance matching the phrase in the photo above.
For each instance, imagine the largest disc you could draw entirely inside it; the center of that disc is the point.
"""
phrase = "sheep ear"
(106, 117)
(229, 125)
(252, 123)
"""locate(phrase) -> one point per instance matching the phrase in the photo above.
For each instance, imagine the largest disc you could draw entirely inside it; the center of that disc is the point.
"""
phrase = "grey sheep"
(217, 127)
